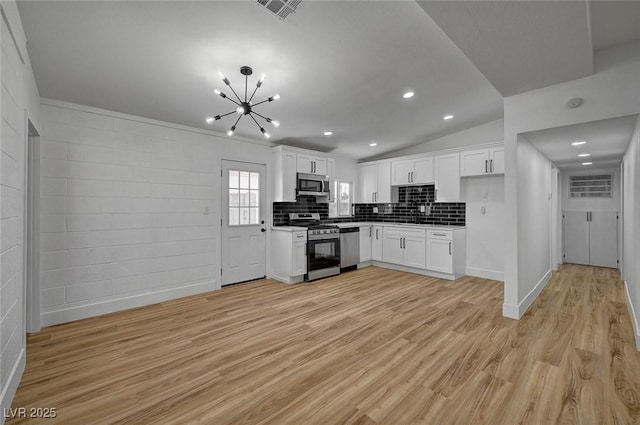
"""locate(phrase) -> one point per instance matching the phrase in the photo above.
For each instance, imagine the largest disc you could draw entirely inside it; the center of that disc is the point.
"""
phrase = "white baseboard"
(69, 314)
(287, 279)
(485, 274)
(423, 272)
(517, 311)
(634, 318)
(11, 386)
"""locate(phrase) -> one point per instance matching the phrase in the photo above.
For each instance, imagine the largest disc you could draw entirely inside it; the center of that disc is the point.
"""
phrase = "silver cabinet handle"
(491, 165)
(369, 231)
(587, 215)
(438, 234)
(412, 179)
(377, 234)
(449, 248)
(486, 165)
(408, 177)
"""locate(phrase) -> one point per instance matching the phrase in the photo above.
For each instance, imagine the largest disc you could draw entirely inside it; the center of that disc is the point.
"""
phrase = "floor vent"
(281, 8)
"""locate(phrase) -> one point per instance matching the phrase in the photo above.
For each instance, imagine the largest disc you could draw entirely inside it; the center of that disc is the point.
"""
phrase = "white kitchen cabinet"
(290, 263)
(404, 246)
(284, 175)
(299, 266)
(375, 182)
(331, 172)
(365, 243)
(446, 251)
(447, 177)
(412, 171)
(376, 243)
(311, 164)
(480, 162)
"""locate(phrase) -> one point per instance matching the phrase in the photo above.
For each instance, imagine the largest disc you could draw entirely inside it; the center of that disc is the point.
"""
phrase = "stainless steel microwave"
(312, 185)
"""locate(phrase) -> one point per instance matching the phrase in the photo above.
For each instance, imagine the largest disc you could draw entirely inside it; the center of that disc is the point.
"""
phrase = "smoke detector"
(281, 8)
(575, 102)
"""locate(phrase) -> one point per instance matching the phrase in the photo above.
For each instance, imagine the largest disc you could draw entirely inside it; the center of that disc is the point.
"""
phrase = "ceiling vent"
(281, 8)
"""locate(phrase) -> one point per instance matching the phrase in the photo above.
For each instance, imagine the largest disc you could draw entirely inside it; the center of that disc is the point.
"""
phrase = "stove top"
(312, 222)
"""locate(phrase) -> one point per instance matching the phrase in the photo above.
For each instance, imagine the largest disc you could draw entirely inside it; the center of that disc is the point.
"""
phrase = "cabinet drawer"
(440, 234)
(406, 232)
(299, 236)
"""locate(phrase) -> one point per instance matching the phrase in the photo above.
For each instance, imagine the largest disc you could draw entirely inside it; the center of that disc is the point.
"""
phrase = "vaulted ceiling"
(338, 66)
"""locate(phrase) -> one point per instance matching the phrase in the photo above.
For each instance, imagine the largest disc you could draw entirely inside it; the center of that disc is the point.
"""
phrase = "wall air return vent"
(591, 186)
(281, 8)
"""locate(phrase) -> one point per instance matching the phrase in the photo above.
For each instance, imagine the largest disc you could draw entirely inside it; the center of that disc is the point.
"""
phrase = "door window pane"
(244, 198)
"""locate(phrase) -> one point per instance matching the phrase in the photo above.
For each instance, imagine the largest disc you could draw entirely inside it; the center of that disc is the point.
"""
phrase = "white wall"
(485, 238)
(19, 98)
(631, 226)
(130, 210)
(613, 91)
(486, 133)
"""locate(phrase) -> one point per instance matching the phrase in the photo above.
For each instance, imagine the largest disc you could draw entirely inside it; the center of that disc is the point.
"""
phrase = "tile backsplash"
(406, 210)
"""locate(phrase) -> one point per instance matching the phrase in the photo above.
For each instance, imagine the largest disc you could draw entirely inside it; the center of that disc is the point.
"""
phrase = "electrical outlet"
(423, 209)
(375, 210)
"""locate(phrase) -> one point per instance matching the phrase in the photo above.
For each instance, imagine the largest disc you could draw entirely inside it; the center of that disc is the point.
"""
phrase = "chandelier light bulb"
(276, 96)
(276, 124)
(240, 110)
(230, 132)
(210, 120)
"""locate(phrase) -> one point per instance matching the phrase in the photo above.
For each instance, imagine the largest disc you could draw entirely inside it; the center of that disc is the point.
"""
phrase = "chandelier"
(245, 107)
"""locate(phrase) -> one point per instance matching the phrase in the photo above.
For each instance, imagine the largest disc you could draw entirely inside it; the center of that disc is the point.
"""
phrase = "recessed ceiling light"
(587, 163)
(582, 155)
(328, 133)
(408, 95)
(372, 144)
(447, 117)
(578, 143)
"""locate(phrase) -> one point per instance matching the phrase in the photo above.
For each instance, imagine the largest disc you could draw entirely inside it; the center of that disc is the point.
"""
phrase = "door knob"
(263, 230)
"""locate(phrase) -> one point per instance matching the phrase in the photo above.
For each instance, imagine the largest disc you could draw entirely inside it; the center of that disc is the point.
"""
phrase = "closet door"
(576, 237)
(603, 237)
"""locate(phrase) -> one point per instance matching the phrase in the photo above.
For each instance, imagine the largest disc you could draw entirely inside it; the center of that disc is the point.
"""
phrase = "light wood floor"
(372, 346)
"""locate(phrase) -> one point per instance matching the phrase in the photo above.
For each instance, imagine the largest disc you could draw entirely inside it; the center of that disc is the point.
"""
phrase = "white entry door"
(243, 222)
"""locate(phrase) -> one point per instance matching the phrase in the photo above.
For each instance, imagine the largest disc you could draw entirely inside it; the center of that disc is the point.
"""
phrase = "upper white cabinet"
(331, 172)
(412, 171)
(311, 164)
(375, 182)
(287, 162)
(284, 175)
(479, 162)
(447, 177)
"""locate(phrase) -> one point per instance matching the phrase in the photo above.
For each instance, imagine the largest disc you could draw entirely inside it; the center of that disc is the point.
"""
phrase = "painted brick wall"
(19, 96)
(129, 210)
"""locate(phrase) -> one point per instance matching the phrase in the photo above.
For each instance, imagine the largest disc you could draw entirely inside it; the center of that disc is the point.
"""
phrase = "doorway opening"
(31, 296)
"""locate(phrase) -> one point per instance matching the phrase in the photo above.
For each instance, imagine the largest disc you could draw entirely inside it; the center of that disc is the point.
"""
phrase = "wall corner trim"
(516, 312)
(634, 318)
(9, 390)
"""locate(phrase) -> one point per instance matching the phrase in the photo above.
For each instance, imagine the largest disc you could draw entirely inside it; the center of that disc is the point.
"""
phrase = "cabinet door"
(439, 255)
(305, 163)
(415, 252)
(319, 165)
(496, 156)
(365, 243)
(284, 177)
(376, 243)
(299, 263)
(603, 239)
(447, 177)
(331, 172)
(401, 172)
(368, 183)
(423, 170)
(391, 249)
(576, 237)
(383, 189)
(474, 163)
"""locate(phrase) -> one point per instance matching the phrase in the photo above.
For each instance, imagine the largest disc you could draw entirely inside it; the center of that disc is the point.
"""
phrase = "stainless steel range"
(323, 245)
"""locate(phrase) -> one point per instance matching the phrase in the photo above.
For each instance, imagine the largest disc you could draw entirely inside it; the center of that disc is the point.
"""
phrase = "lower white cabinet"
(365, 243)
(289, 262)
(376, 243)
(446, 251)
(404, 246)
